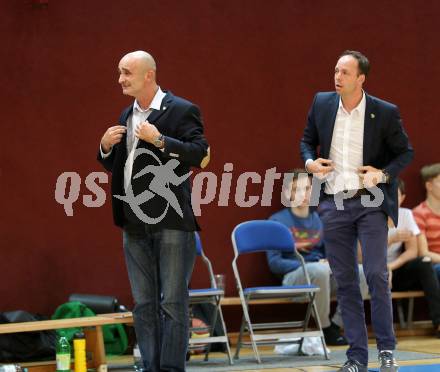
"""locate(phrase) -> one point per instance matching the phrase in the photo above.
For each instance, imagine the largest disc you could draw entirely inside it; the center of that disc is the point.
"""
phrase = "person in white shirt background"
(408, 271)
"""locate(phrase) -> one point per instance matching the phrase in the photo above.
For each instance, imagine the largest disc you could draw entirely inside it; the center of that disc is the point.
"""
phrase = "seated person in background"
(307, 230)
(427, 216)
(407, 271)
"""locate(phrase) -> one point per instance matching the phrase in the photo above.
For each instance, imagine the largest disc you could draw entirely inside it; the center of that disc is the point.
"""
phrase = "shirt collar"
(359, 108)
(155, 104)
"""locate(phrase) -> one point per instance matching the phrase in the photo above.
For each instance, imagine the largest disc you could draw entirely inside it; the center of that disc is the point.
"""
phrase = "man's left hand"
(147, 132)
(370, 176)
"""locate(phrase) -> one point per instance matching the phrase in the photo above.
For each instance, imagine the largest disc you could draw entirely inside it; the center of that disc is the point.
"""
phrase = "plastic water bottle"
(11, 368)
(63, 354)
(137, 359)
(79, 347)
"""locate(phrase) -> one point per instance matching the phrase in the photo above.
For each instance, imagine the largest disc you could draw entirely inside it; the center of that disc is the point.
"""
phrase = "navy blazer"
(180, 122)
(386, 145)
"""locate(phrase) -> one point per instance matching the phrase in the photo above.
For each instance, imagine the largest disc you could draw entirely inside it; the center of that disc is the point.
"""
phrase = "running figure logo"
(164, 175)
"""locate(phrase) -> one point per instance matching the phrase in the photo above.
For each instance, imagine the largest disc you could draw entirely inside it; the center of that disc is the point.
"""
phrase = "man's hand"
(320, 167)
(370, 176)
(112, 136)
(401, 235)
(147, 132)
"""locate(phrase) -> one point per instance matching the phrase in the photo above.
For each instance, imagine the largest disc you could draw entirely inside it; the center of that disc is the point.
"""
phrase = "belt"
(349, 194)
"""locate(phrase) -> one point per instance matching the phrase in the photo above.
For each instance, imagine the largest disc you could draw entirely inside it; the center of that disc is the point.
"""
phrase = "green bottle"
(63, 354)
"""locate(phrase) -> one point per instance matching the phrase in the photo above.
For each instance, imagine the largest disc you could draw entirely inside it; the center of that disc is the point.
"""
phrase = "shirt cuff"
(103, 155)
(308, 161)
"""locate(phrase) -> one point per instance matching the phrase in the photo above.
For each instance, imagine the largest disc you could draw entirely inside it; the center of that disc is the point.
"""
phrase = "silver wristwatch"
(159, 141)
(386, 176)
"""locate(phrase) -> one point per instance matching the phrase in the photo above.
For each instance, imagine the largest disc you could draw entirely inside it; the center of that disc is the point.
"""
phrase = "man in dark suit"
(362, 149)
(159, 137)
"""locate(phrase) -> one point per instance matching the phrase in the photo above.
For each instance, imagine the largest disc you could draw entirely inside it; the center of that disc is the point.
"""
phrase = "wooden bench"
(410, 296)
(92, 330)
(92, 327)
(94, 336)
(398, 296)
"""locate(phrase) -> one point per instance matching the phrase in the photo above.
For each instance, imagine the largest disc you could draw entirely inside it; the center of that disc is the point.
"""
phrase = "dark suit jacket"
(180, 122)
(386, 144)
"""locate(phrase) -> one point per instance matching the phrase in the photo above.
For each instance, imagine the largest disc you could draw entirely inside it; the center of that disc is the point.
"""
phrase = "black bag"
(25, 346)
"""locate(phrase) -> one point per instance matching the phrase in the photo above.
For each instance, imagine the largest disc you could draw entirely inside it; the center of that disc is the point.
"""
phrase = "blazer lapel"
(153, 118)
(369, 127)
(123, 144)
(156, 114)
(330, 117)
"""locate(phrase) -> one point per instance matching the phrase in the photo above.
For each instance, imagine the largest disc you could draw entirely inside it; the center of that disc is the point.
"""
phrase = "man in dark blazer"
(159, 137)
(362, 148)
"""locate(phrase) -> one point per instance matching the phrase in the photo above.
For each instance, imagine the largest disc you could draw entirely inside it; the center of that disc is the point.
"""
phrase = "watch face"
(159, 142)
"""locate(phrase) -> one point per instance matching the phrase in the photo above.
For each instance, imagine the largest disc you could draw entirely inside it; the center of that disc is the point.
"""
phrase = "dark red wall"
(253, 66)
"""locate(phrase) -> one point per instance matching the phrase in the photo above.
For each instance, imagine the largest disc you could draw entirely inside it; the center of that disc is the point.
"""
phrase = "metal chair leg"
(228, 347)
(251, 332)
(213, 320)
(240, 337)
(318, 323)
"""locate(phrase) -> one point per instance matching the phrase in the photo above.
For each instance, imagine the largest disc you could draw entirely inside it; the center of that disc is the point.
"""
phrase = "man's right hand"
(112, 136)
(320, 166)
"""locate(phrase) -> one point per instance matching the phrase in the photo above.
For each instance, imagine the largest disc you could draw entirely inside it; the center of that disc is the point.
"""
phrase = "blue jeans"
(159, 267)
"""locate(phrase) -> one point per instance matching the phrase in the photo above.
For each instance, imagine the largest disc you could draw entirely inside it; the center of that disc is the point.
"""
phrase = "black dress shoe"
(333, 337)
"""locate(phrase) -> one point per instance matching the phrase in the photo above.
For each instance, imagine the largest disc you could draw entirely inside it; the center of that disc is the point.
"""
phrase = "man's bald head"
(137, 74)
(145, 60)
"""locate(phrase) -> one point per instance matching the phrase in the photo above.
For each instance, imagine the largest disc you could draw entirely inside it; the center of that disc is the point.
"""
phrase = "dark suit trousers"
(342, 230)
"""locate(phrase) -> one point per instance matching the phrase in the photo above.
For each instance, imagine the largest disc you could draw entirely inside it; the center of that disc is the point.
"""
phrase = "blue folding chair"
(211, 295)
(260, 236)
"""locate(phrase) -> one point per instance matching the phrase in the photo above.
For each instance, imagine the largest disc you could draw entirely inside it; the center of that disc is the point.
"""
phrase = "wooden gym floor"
(423, 344)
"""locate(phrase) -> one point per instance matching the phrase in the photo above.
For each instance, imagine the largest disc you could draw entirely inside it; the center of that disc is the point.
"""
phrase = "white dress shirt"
(138, 116)
(346, 149)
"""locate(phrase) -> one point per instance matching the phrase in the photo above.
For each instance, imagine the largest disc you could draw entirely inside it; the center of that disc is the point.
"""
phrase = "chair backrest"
(262, 235)
(205, 260)
(198, 244)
